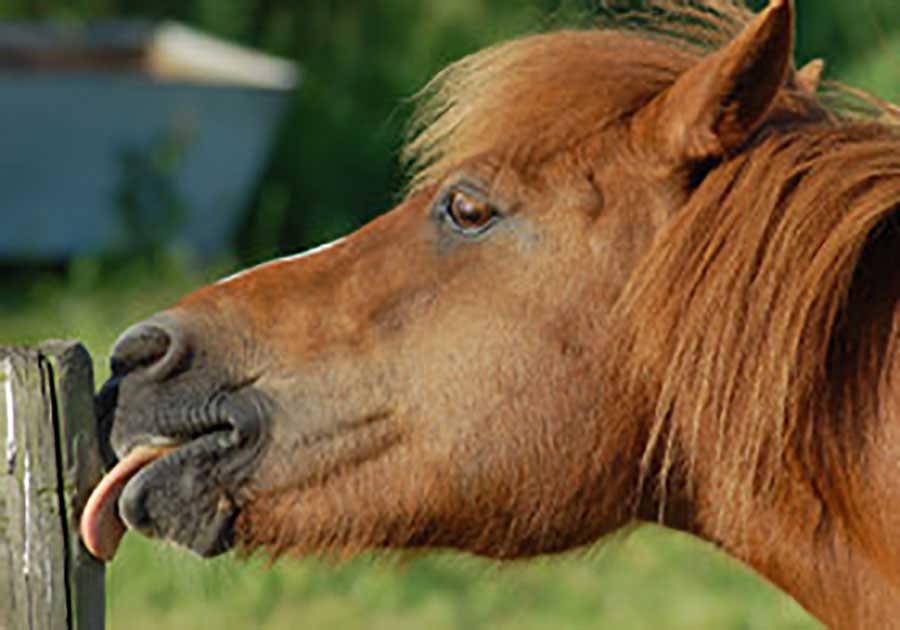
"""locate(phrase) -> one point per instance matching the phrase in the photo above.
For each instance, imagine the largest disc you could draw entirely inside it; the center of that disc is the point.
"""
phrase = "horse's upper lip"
(104, 410)
(236, 409)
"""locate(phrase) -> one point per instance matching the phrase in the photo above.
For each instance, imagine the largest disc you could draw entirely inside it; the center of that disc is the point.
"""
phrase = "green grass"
(879, 70)
(651, 579)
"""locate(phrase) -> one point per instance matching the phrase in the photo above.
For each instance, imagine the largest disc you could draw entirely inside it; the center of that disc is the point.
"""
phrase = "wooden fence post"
(49, 460)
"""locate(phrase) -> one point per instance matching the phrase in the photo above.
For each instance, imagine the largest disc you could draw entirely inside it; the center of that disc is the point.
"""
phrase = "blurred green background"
(333, 167)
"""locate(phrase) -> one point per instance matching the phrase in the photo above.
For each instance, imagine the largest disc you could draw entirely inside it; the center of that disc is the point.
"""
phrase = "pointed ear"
(713, 107)
(809, 77)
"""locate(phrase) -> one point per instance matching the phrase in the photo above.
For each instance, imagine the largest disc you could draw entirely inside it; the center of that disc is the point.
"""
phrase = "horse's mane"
(547, 84)
(754, 306)
(753, 336)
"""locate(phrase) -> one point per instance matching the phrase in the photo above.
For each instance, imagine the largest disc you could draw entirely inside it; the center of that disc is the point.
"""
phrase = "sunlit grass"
(653, 579)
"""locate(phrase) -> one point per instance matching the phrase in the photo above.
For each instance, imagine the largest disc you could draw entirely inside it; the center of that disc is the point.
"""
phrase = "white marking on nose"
(278, 261)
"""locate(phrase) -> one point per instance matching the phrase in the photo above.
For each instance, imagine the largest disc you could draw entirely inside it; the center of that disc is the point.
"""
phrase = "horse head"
(461, 372)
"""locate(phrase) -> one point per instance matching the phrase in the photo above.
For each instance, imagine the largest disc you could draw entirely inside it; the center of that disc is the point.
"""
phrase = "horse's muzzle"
(179, 437)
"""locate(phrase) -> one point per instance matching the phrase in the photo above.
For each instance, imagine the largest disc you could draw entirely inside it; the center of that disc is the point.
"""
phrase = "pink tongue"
(101, 527)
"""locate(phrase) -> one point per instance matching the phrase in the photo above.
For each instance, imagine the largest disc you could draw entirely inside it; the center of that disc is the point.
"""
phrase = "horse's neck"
(847, 581)
(836, 581)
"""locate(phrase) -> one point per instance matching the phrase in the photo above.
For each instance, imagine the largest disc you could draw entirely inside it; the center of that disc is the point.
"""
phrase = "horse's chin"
(181, 498)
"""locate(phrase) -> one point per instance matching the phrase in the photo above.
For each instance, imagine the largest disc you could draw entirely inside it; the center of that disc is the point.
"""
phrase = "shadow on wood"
(49, 463)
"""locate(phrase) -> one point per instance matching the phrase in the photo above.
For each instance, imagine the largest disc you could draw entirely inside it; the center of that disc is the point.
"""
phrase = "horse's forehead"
(533, 98)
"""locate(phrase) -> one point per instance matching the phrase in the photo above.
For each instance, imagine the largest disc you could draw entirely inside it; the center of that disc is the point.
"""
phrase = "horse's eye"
(468, 213)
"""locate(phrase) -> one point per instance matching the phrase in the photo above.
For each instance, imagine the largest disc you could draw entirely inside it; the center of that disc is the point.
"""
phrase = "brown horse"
(640, 275)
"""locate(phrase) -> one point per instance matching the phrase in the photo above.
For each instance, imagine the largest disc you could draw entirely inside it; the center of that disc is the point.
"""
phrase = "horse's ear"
(809, 77)
(712, 108)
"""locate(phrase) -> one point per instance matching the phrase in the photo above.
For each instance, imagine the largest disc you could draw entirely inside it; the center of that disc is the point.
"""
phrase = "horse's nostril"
(146, 346)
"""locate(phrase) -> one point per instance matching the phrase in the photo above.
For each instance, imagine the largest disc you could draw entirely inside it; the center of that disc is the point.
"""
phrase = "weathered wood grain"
(49, 462)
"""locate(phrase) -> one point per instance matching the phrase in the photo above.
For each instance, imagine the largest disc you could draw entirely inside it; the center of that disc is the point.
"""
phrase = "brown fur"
(742, 361)
(741, 294)
(742, 300)
(689, 315)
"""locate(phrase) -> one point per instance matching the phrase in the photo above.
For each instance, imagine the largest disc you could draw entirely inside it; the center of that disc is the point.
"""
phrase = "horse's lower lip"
(176, 496)
(101, 526)
(135, 518)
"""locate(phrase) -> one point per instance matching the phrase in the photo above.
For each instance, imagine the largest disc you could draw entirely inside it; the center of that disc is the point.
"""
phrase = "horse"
(645, 274)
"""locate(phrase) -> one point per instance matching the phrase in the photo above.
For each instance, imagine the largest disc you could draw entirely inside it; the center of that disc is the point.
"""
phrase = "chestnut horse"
(641, 274)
